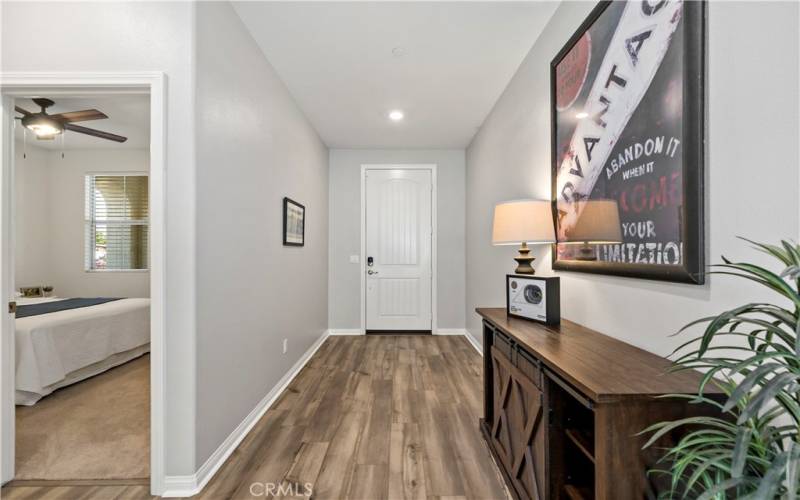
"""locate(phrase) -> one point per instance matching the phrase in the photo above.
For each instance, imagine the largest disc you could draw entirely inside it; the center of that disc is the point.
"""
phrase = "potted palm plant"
(751, 449)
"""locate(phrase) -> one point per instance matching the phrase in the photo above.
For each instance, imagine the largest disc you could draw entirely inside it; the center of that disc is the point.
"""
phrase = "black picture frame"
(691, 217)
(289, 226)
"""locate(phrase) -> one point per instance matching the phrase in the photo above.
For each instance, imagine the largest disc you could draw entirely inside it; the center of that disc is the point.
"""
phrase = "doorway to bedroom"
(81, 246)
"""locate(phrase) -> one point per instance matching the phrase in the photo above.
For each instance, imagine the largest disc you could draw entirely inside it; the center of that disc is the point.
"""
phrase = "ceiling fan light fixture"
(42, 126)
(44, 130)
(49, 126)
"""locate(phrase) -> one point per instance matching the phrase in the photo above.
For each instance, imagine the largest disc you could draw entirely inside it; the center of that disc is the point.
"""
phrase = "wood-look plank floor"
(368, 418)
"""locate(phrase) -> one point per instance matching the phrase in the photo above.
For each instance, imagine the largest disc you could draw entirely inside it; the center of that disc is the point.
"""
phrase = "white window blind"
(117, 224)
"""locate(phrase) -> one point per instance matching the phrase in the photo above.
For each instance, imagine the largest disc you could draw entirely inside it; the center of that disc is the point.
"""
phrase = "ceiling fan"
(49, 126)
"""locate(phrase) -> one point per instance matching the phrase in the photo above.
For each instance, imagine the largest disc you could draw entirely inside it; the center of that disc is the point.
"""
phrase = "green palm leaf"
(751, 448)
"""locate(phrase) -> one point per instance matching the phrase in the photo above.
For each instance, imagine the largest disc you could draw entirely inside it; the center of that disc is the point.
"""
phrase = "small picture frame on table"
(294, 223)
(31, 291)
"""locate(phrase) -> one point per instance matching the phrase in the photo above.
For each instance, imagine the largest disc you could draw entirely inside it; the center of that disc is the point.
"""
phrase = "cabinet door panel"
(518, 432)
(502, 434)
(530, 367)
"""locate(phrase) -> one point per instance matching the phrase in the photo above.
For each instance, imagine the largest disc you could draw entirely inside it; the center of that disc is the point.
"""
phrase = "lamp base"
(524, 260)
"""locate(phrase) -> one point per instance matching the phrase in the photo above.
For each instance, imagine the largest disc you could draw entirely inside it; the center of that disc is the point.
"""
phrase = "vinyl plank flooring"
(369, 483)
(373, 448)
(441, 472)
(246, 458)
(368, 418)
(308, 399)
(271, 462)
(339, 464)
(332, 405)
(461, 382)
(102, 492)
(362, 391)
(406, 469)
(481, 481)
(402, 394)
(304, 471)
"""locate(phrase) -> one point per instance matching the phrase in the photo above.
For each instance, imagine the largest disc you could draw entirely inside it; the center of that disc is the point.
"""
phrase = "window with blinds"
(117, 224)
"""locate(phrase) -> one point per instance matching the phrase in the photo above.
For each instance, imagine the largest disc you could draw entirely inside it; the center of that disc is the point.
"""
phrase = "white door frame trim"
(78, 83)
(434, 236)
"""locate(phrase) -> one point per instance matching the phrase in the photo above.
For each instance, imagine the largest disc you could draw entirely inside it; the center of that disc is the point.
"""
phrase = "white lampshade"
(529, 221)
(598, 223)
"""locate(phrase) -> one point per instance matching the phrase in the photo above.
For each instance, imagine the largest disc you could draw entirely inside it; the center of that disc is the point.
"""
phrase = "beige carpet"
(95, 429)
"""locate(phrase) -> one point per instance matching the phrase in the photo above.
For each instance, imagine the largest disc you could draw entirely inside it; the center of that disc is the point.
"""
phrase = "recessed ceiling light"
(396, 115)
(582, 115)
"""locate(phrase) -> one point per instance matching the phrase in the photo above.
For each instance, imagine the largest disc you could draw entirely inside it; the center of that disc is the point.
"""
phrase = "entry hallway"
(368, 418)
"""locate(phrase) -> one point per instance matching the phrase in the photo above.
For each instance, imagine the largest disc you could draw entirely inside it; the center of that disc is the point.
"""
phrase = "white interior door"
(6, 292)
(398, 249)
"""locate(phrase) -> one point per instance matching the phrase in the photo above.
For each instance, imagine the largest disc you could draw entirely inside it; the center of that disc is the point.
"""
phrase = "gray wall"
(345, 231)
(752, 174)
(31, 217)
(135, 36)
(254, 146)
(50, 228)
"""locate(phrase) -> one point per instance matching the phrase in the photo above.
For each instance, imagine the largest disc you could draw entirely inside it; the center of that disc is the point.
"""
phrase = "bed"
(59, 348)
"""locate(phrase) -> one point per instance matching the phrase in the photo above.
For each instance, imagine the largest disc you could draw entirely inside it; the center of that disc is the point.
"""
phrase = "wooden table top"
(602, 367)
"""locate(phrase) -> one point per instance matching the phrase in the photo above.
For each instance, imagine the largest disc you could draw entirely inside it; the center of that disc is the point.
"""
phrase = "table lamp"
(598, 224)
(520, 222)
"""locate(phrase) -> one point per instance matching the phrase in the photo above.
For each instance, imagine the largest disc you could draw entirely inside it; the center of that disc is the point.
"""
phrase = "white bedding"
(52, 347)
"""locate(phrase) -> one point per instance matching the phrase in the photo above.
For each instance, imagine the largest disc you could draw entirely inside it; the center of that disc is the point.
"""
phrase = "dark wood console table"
(563, 405)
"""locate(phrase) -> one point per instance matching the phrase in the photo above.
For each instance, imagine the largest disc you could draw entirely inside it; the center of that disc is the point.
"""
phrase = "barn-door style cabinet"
(563, 405)
(518, 423)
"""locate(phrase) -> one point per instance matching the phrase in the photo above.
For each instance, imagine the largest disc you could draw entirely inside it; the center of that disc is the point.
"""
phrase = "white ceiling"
(128, 116)
(337, 60)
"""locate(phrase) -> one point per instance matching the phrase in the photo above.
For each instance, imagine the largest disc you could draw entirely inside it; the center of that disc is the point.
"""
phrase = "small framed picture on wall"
(294, 223)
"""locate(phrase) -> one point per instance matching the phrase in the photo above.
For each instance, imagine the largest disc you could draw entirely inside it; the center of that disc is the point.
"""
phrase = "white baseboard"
(180, 486)
(186, 486)
(474, 342)
(461, 331)
(345, 331)
(450, 331)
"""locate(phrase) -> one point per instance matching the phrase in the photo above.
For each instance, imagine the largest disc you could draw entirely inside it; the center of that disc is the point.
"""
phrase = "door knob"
(372, 272)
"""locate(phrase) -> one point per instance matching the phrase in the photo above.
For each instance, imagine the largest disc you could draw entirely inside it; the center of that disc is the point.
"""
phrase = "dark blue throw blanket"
(59, 305)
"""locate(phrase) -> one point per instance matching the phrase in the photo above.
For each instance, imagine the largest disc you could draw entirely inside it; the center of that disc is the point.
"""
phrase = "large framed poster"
(627, 134)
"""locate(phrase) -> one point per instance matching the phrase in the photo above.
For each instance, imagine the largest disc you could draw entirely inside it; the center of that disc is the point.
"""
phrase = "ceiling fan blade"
(21, 111)
(80, 116)
(95, 133)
